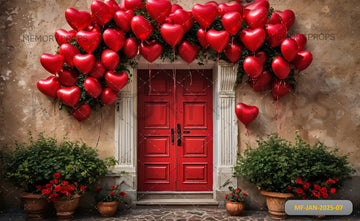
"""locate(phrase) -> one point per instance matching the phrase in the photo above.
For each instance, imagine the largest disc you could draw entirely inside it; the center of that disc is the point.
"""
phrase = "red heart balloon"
(204, 14)
(224, 8)
(62, 36)
(68, 77)
(262, 56)
(110, 59)
(288, 18)
(98, 70)
(68, 51)
(257, 4)
(49, 86)
(213, 3)
(52, 63)
(133, 4)
(253, 66)
(131, 47)
(69, 95)
(280, 89)
(172, 33)
(232, 22)
(113, 4)
(82, 112)
(114, 39)
(175, 7)
(259, 83)
(84, 63)
(303, 60)
(151, 50)
(92, 87)
(116, 81)
(252, 38)
(218, 40)
(289, 49)
(188, 52)
(256, 18)
(108, 96)
(280, 67)
(141, 27)
(101, 12)
(233, 52)
(170, 19)
(78, 20)
(300, 40)
(245, 113)
(123, 20)
(183, 18)
(276, 34)
(201, 34)
(274, 19)
(88, 41)
(158, 9)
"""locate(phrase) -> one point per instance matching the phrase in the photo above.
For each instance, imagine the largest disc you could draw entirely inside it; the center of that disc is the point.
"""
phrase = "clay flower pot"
(107, 209)
(66, 208)
(276, 203)
(36, 206)
(234, 208)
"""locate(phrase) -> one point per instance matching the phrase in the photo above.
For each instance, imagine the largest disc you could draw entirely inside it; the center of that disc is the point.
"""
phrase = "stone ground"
(175, 215)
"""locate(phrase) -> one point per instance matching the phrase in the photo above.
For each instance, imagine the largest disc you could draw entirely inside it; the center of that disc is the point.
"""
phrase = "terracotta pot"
(36, 206)
(107, 209)
(276, 203)
(66, 208)
(234, 208)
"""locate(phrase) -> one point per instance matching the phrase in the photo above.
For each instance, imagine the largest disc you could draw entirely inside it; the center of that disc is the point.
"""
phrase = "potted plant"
(235, 201)
(108, 200)
(276, 162)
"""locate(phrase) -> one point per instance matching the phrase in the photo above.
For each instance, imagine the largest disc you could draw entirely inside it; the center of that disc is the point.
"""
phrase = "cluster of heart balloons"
(77, 59)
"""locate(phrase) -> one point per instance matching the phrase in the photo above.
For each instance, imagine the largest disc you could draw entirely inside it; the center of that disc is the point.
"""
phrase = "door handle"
(172, 136)
(178, 134)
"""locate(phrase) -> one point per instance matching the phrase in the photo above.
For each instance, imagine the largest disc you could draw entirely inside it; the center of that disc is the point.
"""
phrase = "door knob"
(178, 134)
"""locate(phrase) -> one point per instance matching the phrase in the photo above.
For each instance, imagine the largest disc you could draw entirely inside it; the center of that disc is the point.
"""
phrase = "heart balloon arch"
(90, 67)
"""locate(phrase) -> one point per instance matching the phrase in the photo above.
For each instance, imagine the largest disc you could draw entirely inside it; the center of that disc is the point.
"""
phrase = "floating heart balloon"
(116, 81)
(108, 96)
(88, 41)
(289, 49)
(275, 19)
(69, 95)
(213, 3)
(131, 47)
(101, 12)
(276, 34)
(280, 67)
(224, 8)
(257, 4)
(232, 22)
(68, 77)
(183, 18)
(262, 56)
(252, 38)
(110, 59)
(188, 52)
(82, 112)
(141, 27)
(158, 9)
(218, 40)
(49, 86)
(123, 20)
(303, 60)
(68, 51)
(92, 87)
(151, 50)
(84, 63)
(201, 34)
(256, 18)
(259, 83)
(78, 20)
(280, 89)
(114, 39)
(245, 113)
(300, 40)
(204, 14)
(62, 36)
(233, 52)
(253, 66)
(133, 4)
(52, 63)
(170, 19)
(175, 7)
(288, 18)
(172, 33)
(98, 70)
(113, 4)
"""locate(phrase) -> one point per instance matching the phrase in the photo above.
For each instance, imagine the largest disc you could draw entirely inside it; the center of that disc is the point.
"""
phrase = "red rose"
(57, 188)
(325, 195)
(323, 190)
(71, 188)
(316, 193)
(76, 183)
(238, 190)
(48, 186)
(57, 175)
(289, 188)
(336, 179)
(65, 183)
(299, 190)
(306, 185)
(113, 187)
(232, 194)
(98, 188)
(68, 194)
(56, 195)
(317, 187)
(64, 189)
(330, 181)
(226, 196)
(299, 180)
(124, 194)
(38, 187)
(112, 193)
(237, 197)
(54, 181)
(333, 190)
(82, 188)
(245, 194)
(44, 192)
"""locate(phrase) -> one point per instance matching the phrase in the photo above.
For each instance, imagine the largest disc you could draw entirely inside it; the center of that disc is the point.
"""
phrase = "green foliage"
(276, 163)
(35, 163)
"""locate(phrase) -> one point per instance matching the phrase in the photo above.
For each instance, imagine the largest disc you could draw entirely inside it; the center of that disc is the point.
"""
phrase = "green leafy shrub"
(276, 163)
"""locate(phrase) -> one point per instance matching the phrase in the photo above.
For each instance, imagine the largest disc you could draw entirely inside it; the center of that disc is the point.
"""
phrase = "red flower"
(113, 187)
(112, 193)
(317, 187)
(57, 188)
(38, 187)
(323, 190)
(48, 186)
(65, 183)
(289, 188)
(45, 192)
(68, 194)
(336, 179)
(54, 181)
(232, 194)
(299, 180)
(299, 190)
(226, 196)
(245, 194)
(238, 190)
(316, 193)
(82, 188)
(64, 189)
(237, 197)
(330, 181)
(57, 175)
(333, 190)
(98, 188)
(76, 183)
(306, 185)
(71, 188)
(325, 195)
(124, 194)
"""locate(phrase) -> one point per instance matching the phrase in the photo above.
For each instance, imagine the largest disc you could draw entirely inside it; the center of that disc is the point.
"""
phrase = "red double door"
(175, 130)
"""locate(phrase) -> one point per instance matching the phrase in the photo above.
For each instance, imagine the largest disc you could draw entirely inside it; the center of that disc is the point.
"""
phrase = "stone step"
(177, 203)
(175, 195)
